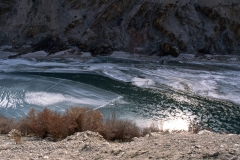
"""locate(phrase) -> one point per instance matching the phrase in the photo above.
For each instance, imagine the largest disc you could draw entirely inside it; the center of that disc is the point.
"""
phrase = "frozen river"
(166, 92)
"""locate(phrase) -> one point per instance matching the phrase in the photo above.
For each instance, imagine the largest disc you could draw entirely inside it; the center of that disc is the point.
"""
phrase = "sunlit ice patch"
(141, 82)
(45, 99)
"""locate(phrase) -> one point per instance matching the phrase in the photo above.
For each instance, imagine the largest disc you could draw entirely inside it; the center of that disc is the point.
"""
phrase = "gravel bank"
(90, 145)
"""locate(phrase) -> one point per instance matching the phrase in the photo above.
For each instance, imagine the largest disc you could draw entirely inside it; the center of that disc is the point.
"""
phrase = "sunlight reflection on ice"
(171, 125)
(177, 124)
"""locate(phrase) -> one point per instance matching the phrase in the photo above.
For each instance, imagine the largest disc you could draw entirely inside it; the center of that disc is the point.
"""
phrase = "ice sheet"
(19, 93)
(214, 80)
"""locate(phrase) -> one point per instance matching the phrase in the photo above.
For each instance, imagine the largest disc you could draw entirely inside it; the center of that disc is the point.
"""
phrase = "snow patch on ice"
(119, 54)
(142, 82)
(46, 98)
(38, 54)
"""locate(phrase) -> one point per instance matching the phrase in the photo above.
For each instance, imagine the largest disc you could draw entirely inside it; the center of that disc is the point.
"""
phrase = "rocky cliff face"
(144, 26)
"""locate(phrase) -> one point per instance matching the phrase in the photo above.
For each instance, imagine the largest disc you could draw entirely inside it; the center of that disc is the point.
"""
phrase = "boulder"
(102, 49)
(16, 135)
(168, 49)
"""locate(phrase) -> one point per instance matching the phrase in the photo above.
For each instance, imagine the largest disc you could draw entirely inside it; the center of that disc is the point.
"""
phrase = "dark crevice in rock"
(50, 45)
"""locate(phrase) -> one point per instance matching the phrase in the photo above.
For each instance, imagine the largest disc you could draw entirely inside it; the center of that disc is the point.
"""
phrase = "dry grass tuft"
(6, 124)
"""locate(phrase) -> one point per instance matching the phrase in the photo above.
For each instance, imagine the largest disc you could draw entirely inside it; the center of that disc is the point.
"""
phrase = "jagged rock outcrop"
(144, 26)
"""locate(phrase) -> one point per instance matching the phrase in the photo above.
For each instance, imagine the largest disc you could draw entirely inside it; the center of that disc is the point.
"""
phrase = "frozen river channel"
(166, 92)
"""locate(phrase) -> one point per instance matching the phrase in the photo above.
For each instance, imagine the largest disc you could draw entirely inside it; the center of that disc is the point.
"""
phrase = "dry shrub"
(77, 115)
(6, 124)
(36, 123)
(21, 126)
(122, 130)
(148, 130)
(85, 118)
(93, 120)
(117, 129)
(48, 123)
(58, 126)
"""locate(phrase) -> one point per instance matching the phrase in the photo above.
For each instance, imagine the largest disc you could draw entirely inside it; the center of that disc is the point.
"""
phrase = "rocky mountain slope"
(138, 26)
